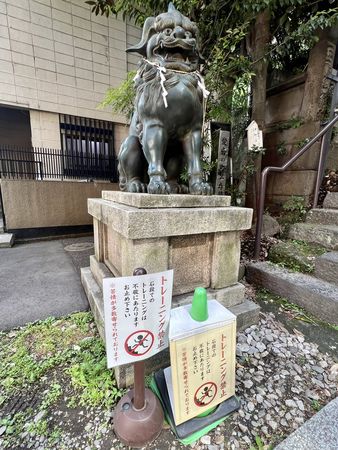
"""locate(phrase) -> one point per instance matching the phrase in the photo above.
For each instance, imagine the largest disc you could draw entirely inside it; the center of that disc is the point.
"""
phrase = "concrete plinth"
(6, 240)
(197, 236)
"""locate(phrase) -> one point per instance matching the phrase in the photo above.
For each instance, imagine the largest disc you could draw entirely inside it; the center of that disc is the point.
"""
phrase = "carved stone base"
(197, 236)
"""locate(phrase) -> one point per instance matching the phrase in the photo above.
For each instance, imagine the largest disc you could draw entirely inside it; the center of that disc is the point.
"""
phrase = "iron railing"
(57, 164)
(264, 175)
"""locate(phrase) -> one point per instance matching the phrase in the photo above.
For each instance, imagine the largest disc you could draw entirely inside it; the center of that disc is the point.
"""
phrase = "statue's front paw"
(176, 188)
(200, 188)
(158, 186)
(136, 186)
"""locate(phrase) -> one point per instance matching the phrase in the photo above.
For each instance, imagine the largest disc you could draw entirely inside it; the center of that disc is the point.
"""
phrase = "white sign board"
(136, 313)
(255, 136)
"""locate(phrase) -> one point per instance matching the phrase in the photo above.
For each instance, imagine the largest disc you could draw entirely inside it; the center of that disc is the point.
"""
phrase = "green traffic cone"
(199, 312)
(199, 307)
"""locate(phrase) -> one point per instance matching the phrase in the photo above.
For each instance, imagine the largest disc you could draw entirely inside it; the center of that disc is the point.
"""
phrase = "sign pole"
(138, 416)
(139, 387)
(139, 368)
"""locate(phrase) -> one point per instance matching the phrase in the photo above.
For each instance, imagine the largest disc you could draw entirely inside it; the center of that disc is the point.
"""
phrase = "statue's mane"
(148, 83)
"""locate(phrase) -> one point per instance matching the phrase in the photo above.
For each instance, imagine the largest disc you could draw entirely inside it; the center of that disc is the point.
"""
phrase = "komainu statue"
(166, 127)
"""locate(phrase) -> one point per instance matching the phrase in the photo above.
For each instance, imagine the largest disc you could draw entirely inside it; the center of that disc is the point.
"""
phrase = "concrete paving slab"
(318, 433)
(38, 280)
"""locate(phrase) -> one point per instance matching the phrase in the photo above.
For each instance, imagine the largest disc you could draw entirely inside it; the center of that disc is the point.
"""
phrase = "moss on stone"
(295, 255)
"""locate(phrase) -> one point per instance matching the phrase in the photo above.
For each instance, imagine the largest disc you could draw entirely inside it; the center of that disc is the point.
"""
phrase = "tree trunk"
(260, 38)
(257, 47)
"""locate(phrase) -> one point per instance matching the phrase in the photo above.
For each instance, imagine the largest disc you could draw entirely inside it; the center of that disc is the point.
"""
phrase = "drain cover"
(20, 404)
(79, 247)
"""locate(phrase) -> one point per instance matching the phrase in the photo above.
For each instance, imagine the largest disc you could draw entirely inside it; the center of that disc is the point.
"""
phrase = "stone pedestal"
(197, 236)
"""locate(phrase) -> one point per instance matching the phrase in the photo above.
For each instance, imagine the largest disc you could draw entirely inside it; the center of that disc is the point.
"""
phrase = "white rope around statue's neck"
(162, 70)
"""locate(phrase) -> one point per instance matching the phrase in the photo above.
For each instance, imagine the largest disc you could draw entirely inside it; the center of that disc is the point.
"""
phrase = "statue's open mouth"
(177, 52)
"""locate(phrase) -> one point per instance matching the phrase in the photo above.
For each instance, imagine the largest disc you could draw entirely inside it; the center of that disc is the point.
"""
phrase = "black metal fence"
(95, 162)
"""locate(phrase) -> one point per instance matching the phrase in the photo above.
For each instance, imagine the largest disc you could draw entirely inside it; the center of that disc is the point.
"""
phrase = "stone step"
(318, 297)
(323, 216)
(6, 240)
(325, 235)
(326, 267)
(318, 433)
(247, 314)
(331, 200)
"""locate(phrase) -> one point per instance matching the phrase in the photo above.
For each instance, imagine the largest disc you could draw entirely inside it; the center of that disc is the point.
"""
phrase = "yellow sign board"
(202, 357)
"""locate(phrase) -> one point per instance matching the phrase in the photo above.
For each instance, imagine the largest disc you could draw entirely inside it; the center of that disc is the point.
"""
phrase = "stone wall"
(332, 159)
(294, 111)
(39, 204)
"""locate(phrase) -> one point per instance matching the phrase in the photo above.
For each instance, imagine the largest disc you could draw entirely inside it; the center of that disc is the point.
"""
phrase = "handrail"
(269, 169)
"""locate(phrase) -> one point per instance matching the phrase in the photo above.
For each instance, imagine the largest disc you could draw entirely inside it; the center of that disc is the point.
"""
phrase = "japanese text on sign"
(137, 311)
(255, 137)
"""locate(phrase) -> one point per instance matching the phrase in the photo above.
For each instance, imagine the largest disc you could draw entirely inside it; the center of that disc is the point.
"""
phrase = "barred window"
(88, 147)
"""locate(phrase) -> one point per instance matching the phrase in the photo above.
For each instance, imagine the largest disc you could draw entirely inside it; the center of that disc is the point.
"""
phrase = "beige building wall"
(133, 38)
(121, 132)
(58, 57)
(45, 128)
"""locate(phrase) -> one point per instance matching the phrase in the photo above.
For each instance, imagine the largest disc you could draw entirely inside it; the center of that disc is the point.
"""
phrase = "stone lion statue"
(165, 130)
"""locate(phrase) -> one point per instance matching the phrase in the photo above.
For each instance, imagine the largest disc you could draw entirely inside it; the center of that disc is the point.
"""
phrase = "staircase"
(321, 225)
(317, 293)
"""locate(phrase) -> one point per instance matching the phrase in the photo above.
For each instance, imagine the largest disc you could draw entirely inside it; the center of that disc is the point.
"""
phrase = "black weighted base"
(198, 423)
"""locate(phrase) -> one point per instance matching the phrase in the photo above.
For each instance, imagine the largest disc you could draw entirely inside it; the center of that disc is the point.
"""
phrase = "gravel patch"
(282, 380)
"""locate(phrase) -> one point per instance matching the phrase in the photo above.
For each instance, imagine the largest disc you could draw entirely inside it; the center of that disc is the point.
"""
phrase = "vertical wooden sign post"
(137, 311)
(223, 154)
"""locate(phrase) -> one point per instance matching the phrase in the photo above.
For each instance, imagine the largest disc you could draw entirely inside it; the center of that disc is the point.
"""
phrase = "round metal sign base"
(134, 427)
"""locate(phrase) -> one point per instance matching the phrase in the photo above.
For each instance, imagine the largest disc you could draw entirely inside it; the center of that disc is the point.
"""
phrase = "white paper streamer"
(164, 91)
(162, 70)
(202, 85)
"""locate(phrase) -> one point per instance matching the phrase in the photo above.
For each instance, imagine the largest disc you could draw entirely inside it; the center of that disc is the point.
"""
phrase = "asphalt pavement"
(41, 279)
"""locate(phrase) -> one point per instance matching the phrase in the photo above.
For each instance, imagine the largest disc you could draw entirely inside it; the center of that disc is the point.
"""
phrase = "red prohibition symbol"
(205, 394)
(139, 343)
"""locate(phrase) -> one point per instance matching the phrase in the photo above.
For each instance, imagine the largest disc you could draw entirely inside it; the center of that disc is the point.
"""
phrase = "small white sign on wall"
(136, 315)
(255, 137)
